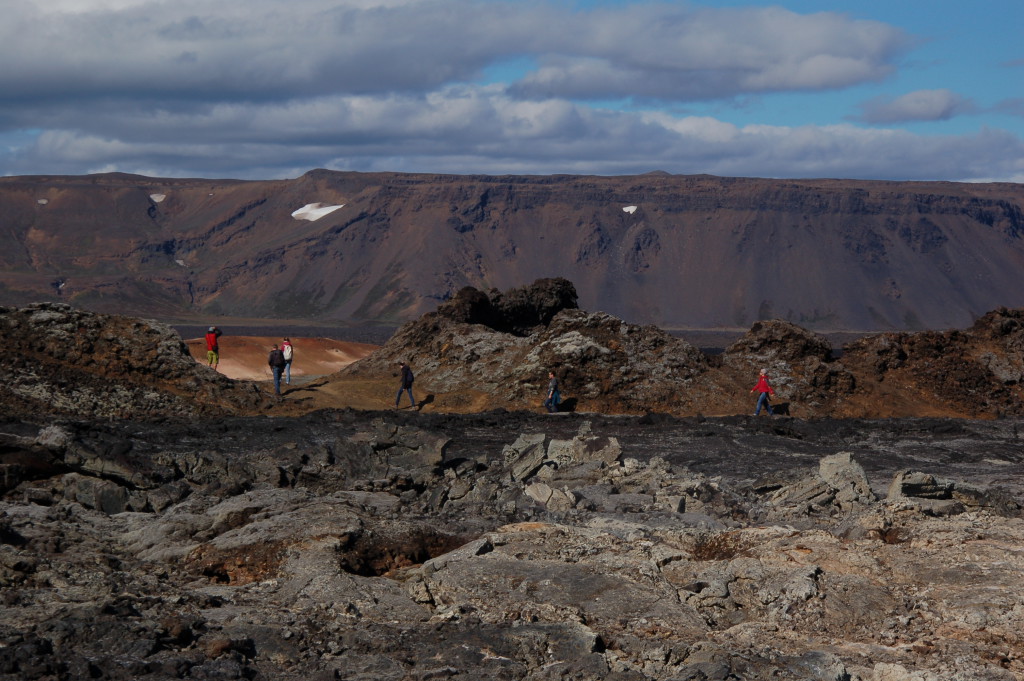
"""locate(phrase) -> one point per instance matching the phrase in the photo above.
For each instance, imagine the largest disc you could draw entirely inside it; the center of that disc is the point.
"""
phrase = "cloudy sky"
(262, 89)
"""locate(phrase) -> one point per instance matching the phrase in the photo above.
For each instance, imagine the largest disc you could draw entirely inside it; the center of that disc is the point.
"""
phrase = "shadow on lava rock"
(569, 404)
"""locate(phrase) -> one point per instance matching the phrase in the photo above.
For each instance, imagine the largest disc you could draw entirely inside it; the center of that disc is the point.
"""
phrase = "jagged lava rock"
(60, 360)
(514, 546)
(476, 355)
(503, 345)
(975, 372)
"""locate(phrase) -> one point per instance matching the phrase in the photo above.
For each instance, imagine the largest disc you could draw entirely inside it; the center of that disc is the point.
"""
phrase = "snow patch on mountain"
(314, 211)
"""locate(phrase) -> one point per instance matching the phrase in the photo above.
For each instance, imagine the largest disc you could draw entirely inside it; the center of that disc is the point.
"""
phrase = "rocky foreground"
(159, 521)
(351, 545)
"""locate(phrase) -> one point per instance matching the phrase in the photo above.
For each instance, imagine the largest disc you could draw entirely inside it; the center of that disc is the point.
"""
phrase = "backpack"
(287, 352)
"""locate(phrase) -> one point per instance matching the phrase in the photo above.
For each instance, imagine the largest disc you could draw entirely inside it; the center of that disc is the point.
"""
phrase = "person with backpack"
(276, 362)
(287, 352)
(213, 347)
(406, 384)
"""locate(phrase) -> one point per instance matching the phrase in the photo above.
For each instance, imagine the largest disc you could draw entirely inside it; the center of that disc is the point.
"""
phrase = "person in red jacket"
(765, 390)
(213, 347)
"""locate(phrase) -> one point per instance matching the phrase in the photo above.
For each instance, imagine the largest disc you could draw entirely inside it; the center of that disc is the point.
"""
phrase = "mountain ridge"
(694, 251)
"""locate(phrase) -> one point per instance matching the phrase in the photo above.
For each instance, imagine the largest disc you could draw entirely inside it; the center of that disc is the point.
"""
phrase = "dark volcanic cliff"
(675, 251)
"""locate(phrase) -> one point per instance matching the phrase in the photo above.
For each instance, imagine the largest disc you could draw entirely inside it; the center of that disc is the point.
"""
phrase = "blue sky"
(262, 89)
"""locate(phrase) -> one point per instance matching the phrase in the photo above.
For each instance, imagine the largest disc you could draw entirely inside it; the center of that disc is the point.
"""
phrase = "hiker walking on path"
(554, 396)
(287, 352)
(213, 347)
(765, 390)
(276, 362)
(405, 384)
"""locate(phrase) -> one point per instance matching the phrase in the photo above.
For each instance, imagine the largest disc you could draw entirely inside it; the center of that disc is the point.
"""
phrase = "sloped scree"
(405, 546)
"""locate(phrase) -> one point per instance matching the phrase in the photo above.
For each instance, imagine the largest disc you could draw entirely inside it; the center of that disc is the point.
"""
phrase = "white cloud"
(254, 49)
(242, 50)
(481, 130)
(261, 88)
(922, 105)
(663, 53)
(1012, 107)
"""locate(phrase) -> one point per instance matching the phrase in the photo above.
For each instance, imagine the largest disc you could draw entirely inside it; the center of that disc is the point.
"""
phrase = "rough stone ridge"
(65, 361)
(600, 359)
(605, 364)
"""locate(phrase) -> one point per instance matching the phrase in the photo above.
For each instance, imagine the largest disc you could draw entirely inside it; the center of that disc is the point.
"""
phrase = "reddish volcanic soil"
(245, 357)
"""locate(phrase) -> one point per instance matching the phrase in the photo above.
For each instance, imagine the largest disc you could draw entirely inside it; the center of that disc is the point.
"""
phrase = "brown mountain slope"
(675, 251)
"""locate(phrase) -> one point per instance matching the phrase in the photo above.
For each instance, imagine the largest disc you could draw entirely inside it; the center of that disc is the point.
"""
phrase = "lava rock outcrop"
(482, 351)
(63, 361)
(496, 350)
(519, 311)
(467, 357)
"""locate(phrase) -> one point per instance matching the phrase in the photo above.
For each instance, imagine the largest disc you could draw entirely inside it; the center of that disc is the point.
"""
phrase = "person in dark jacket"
(765, 390)
(405, 384)
(276, 362)
(213, 347)
(554, 396)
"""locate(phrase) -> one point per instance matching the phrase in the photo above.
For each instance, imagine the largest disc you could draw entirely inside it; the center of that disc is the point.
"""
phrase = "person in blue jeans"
(765, 390)
(276, 362)
(287, 351)
(554, 396)
(406, 384)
